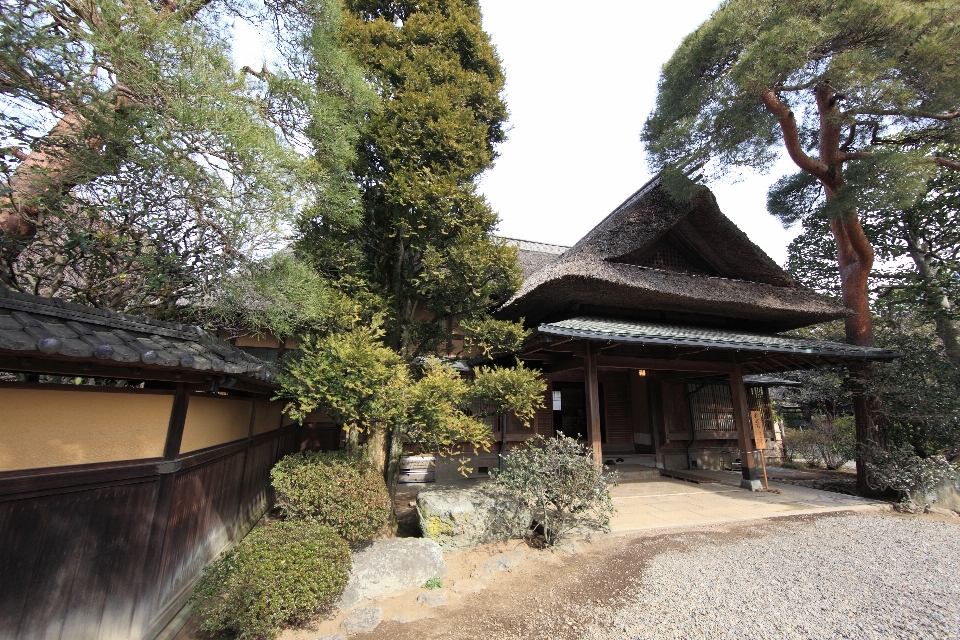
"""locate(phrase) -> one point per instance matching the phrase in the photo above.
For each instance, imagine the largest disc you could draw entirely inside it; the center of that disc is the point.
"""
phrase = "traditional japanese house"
(116, 492)
(646, 328)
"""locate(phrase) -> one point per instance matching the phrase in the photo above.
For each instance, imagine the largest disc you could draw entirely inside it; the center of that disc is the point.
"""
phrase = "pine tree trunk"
(855, 260)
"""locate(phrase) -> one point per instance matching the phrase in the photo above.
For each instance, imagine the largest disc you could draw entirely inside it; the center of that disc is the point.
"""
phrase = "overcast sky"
(581, 79)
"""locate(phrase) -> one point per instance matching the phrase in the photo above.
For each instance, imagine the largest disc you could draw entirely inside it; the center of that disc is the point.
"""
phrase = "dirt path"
(557, 595)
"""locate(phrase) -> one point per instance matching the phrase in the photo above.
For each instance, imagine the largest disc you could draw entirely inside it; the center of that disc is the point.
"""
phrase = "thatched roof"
(656, 259)
(535, 255)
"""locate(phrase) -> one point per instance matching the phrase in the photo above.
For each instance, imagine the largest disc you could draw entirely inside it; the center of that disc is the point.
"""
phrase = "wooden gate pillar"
(741, 416)
(593, 402)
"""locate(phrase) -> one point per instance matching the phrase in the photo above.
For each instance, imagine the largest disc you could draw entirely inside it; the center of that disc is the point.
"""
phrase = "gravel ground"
(858, 576)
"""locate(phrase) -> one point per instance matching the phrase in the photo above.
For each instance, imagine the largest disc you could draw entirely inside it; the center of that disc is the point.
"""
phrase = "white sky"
(581, 79)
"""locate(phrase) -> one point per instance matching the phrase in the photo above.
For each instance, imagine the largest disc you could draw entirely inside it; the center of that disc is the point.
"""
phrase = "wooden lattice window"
(711, 406)
(668, 256)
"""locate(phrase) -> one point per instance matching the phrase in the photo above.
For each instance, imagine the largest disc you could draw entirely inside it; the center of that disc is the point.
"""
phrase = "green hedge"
(337, 489)
(280, 574)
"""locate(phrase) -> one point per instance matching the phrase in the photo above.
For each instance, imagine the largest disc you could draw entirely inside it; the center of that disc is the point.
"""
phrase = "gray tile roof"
(56, 329)
(650, 333)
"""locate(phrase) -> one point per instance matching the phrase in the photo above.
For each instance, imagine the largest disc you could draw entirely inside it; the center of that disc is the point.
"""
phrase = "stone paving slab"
(665, 502)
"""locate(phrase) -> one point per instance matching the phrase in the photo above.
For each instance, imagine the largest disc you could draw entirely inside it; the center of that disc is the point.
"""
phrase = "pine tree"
(849, 88)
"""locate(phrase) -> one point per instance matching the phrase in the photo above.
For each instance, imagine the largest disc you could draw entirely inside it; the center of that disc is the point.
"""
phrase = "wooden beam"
(564, 365)
(741, 418)
(593, 403)
(662, 364)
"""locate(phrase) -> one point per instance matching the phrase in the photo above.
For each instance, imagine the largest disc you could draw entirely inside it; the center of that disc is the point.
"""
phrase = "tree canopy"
(851, 90)
(425, 241)
(139, 165)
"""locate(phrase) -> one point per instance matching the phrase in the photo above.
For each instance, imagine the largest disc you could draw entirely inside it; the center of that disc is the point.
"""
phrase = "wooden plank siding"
(543, 421)
(84, 555)
(619, 424)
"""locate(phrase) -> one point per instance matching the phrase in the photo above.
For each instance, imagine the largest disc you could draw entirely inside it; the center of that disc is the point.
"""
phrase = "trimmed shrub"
(279, 575)
(558, 479)
(336, 489)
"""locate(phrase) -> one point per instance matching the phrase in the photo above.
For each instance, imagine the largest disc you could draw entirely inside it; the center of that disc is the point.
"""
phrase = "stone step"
(635, 471)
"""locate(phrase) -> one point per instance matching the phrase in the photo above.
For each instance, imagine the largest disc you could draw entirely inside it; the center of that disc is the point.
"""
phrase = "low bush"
(336, 489)
(561, 483)
(280, 574)
(913, 477)
(830, 441)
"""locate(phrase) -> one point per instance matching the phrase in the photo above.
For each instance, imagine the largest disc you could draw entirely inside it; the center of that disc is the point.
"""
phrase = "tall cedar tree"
(140, 165)
(425, 241)
(849, 88)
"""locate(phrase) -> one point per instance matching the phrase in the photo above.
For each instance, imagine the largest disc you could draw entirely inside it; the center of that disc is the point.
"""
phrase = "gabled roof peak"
(692, 259)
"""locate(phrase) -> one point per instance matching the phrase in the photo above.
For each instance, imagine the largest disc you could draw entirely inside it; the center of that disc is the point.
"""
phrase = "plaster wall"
(55, 427)
(267, 416)
(212, 421)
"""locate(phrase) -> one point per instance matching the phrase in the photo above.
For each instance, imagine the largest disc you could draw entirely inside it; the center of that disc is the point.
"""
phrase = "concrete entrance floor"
(664, 502)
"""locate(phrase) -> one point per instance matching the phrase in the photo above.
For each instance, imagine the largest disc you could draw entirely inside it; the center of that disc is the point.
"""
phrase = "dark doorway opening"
(570, 411)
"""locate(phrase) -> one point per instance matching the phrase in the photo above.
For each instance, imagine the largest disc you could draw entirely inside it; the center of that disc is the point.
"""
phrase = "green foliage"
(891, 62)
(364, 385)
(492, 336)
(433, 583)
(435, 412)
(284, 296)
(336, 489)
(510, 389)
(560, 481)
(902, 470)
(829, 440)
(282, 573)
(164, 168)
(426, 237)
(351, 376)
(920, 391)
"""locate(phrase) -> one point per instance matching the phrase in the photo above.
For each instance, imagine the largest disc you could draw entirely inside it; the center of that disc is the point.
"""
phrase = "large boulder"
(390, 567)
(457, 518)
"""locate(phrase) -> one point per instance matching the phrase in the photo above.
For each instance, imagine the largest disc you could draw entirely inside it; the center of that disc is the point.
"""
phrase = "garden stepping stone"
(332, 636)
(433, 598)
(503, 561)
(361, 620)
(389, 567)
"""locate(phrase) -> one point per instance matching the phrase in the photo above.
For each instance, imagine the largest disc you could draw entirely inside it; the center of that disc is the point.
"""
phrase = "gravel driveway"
(808, 577)
(859, 576)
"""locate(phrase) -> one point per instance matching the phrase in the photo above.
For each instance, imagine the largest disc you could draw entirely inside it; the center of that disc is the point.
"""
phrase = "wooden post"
(593, 402)
(149, 594)
(741, 416)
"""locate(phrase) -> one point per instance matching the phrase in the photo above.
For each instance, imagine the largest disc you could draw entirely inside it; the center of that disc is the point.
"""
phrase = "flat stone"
(457, 518)
(433, 598)
(503, 561)
(570, 546)
(390, 567)
(332, 636)
(362, 620)
(468, 585)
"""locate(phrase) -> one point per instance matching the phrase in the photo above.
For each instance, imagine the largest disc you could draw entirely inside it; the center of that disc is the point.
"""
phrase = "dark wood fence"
(111, 550)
